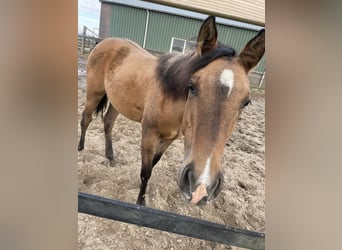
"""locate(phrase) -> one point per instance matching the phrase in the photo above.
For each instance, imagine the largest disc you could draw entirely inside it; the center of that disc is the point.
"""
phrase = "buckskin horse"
(199, 95)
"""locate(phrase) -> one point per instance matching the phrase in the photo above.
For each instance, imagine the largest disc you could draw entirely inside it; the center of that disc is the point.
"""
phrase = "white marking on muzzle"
(227, 79)
(205, 176)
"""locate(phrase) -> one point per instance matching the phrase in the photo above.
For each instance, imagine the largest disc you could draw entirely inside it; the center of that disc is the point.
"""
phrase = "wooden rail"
(170, 222)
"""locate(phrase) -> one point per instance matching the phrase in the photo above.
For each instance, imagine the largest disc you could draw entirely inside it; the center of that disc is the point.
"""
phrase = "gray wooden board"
(170, 222)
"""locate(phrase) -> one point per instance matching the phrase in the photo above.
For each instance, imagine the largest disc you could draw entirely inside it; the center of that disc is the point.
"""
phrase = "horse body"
(129, 86)
(199, 94)
(105, 68)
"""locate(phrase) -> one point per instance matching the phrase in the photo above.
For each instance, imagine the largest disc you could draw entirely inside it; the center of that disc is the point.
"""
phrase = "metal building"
(161, 29)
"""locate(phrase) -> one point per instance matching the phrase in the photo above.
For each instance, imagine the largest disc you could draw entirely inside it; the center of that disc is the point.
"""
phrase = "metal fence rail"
(170, 222)
(87, 42)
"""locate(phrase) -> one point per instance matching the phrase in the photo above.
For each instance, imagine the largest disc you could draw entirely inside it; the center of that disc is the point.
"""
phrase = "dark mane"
(175, 70)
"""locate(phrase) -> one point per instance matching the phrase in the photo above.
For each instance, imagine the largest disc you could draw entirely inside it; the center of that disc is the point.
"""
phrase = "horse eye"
(192, 89)
(245, 103)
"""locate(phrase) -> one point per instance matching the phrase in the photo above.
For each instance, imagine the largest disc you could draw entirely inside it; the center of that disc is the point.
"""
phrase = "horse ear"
(207, 36)
(253, 51)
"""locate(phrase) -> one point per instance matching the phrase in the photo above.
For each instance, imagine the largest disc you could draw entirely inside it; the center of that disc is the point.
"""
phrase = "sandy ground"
(241, 202)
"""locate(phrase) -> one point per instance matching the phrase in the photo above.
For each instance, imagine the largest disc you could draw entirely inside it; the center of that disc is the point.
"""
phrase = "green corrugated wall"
(237, 38)
(162, 27)
(130, 22)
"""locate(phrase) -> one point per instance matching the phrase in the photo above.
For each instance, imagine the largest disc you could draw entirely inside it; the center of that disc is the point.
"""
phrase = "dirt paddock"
(241, 202)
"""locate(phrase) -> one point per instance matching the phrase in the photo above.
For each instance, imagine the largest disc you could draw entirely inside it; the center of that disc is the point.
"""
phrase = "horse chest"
(169, 133)
(170, 126)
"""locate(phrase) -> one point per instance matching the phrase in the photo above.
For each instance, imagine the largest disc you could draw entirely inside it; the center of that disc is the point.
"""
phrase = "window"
(177, 44)
(190, 45)
(181, 45)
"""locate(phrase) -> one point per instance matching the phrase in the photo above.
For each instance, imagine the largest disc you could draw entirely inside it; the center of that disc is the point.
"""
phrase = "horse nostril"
(186, 181)
(215, 189)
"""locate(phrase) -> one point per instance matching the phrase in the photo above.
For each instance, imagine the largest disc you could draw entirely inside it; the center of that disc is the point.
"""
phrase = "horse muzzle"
(198, 193)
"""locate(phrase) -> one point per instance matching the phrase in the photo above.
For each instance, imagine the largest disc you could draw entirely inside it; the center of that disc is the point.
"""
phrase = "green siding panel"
(237, 38)
(129, 23)
(162, 27)
(261, 65)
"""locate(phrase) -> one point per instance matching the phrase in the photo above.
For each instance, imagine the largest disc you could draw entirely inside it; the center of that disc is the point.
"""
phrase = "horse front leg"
(145, 175)
(148, 150)
(151, 151)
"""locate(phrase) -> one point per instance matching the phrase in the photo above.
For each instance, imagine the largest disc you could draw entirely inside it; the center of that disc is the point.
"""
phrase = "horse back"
(113, 51)
(126, 72)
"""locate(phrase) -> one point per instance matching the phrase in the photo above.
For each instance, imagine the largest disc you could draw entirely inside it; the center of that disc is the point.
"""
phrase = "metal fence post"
(83, 38)
(262, 79)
